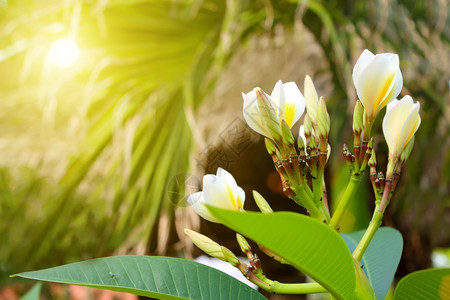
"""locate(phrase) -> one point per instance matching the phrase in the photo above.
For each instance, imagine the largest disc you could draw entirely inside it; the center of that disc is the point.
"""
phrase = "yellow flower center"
(231, 198)
(412, 132)
(290, 111)
(383, 93)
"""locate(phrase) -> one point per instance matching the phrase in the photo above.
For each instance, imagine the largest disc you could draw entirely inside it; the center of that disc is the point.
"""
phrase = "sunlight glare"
(64, 53)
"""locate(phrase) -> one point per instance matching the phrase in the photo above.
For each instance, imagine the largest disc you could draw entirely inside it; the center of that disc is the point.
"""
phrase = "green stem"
(343, 203)
(368, 235)
(297, 288)
(308, 203)
(308, 191)
(324, 211)
(318, 186)
(318, 194)
(283, 288)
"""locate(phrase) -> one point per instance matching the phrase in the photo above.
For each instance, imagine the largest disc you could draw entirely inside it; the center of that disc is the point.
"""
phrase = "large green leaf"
(305, 243)
(428, 284)
(381, 258)
(151, 276)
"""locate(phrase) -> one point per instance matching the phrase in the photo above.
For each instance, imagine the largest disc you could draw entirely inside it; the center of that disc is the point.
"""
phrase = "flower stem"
(297, 288)
(368, 235)
(345, 200)
(318, 186)
(318, 194)
(282, 288)
(308, 203)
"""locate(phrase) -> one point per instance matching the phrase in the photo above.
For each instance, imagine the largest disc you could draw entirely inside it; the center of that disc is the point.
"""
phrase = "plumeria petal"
(228, 181)
(378, 80)
(278, 98)
(252, 115)
(362, 62)
(216, 193)
(197, 202)
(219, 190)
(294, 103)
(397, 86)
(240, 197)
(400, 123)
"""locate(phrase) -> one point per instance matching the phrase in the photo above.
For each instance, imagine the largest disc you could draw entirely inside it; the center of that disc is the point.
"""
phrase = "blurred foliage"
(125, 113)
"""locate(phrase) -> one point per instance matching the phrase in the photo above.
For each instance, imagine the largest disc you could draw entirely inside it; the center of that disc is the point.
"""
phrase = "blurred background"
(112, 110)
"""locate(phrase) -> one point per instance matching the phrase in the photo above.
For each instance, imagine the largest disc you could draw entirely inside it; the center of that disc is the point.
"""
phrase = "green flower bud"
(229, 256)
(358, 116)
(311, 98)
(373, 159)
(245, 247)
(407, 150)
(270, 146)
(206, 244)
(287, 134)
(300, 143)
(268, 114)
(308, 127)
(323, 118)
(262, 203)
(312, 143)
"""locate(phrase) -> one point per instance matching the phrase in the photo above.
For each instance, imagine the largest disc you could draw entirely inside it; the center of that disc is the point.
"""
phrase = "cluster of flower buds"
(299, 163)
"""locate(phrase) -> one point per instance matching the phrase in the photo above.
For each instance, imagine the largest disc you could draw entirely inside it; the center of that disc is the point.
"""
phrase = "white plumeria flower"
(287, 101)
(378, 80)
(400, 123)
(220, 190)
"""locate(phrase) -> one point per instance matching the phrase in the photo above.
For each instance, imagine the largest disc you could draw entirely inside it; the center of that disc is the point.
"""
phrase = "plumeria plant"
(357, 265)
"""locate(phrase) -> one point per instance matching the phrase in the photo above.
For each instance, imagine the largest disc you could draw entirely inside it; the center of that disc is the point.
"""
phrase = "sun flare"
(64, 53)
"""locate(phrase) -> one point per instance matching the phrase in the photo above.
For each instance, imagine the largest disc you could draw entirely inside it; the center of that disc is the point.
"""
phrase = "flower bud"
(229, 256)
(308, 128)
(312, 99)
(245, 247)
(301, 140)
(268, 114)
(358, 115)
(407, 151)
(262, 204)
(373, 159)
(288, 138)
(206, 244)
(323, 119)
(270, 146)
(312, 143)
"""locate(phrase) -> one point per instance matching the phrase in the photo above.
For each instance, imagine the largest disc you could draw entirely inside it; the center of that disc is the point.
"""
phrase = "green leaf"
(150, 276)
(381, 258)
(34, 293)
(305, 243)
(427, 284)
